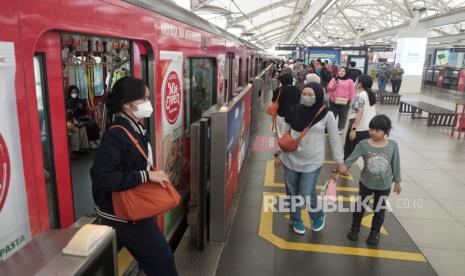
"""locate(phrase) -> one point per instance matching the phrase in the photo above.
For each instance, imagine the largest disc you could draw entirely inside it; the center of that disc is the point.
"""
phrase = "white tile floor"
(433, 169)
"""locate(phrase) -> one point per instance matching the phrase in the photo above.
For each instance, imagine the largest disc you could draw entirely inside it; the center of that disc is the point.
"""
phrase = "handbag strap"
(304, 132)
(133, 140)
(279, 95)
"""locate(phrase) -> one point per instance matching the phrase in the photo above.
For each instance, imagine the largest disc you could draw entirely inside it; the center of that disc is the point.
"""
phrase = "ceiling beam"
(274, 20)
(262, 10)
(313, 12)
(346, 18)
(409, 8)
(455, 37)
(452, 17)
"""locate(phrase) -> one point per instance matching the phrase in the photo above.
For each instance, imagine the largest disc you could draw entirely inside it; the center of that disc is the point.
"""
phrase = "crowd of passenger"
(315, 100)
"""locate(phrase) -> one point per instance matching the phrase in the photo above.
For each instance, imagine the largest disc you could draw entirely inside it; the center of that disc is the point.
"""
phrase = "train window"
(229, 76)
(199, 88)
(46, 138)
(240, 72)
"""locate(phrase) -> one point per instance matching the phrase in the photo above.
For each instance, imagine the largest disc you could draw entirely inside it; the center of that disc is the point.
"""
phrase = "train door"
(72, 73)
(199, 96)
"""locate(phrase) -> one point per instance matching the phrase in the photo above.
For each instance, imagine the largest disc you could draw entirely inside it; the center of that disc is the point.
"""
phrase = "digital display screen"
(411, 55)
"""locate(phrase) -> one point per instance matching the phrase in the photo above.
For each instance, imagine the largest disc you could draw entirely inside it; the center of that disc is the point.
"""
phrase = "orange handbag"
(272, 109)
(145, 200)
(289, 144)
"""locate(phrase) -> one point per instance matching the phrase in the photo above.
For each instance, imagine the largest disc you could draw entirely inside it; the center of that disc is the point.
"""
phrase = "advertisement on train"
(221, 59)
(172, 133)
(238, 135)
(14, 217)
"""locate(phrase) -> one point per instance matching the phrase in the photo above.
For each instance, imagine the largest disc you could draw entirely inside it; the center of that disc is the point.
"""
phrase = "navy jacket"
(118, 165)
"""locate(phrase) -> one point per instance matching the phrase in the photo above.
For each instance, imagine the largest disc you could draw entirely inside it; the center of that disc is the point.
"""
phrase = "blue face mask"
(307, 100)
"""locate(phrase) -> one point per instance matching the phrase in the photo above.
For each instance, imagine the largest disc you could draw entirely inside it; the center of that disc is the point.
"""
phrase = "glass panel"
(46, 140)
(202, 80)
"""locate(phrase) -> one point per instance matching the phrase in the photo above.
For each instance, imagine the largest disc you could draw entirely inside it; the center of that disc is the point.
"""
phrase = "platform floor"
(426, 240)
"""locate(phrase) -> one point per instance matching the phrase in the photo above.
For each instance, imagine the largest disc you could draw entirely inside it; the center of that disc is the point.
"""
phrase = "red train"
(48, 45)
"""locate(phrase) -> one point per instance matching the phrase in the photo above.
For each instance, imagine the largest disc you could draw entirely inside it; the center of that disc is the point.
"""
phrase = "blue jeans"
(382, 85)
(303, 184)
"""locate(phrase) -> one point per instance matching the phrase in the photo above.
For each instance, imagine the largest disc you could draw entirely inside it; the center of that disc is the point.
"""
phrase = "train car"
(48, 46)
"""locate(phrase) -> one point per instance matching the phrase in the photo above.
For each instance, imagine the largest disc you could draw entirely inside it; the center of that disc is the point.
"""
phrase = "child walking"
(381, 168)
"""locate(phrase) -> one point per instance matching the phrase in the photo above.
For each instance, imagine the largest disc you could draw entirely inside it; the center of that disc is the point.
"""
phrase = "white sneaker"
(93, 145)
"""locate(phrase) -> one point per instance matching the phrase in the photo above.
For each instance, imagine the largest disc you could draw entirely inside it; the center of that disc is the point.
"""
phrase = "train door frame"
(49, 44)
(49, 47)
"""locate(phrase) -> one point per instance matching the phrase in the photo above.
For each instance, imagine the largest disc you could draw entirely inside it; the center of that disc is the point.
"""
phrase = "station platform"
(263, 243)
(427, 239)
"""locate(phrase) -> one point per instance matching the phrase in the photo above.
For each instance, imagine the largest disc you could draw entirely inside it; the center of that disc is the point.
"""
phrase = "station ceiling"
(267, 23)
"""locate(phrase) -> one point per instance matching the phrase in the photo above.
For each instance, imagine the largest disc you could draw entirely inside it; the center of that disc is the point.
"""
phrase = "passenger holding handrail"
(302, 166)
(119, 166)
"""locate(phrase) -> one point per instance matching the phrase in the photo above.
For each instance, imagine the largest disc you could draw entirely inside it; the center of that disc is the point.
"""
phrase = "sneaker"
(373, 238)
(93, 145)
(298, 227)
(318, 224)
(341, 131)
(353, 233)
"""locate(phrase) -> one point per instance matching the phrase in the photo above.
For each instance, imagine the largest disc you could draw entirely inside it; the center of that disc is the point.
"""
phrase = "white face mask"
(74, 96)
(307, 100)
(144, 110)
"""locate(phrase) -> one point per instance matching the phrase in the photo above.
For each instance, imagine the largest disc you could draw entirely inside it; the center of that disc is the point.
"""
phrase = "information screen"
(411, 55)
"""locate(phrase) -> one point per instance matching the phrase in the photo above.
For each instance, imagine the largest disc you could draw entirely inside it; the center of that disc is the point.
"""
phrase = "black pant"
(396, 86)
(147, 245)
(340, 111)
(350, 145)
(378, 217)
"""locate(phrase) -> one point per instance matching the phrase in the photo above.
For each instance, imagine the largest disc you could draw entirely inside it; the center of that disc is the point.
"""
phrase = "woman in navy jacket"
(119, 166)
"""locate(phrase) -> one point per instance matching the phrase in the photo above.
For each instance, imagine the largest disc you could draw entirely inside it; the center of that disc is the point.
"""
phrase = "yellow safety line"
(124, 260)
(266, 232)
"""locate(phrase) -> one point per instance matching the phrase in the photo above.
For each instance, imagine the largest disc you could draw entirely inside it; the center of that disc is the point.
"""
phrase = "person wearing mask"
(353, 71)
(76, 105)
(302, 167)
(364, 110)
(289, 95)
(119, 166)
(300, 81)
(396, 78)
(341, 94)
(383, 77)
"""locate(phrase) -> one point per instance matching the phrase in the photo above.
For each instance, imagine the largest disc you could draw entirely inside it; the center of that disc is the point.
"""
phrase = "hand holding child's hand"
(397, 188)
(277, 162)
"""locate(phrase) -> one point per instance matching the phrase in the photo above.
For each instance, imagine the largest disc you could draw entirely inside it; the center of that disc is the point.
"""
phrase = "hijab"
(346, 76)
(300, 116)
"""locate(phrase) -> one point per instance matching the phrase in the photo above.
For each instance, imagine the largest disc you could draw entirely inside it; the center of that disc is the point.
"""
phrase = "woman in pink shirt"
(341, 91)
